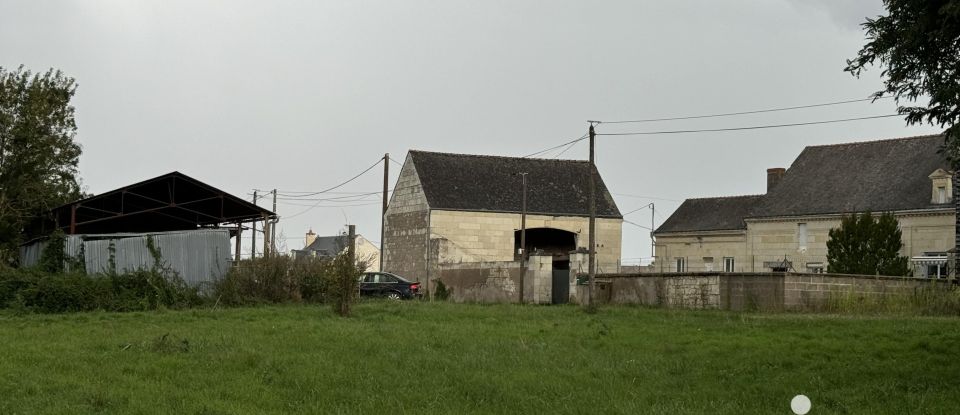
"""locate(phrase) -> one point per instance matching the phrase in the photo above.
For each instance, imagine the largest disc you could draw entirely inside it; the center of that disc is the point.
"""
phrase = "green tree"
(38, 154)
(868, 245)
(918, 47)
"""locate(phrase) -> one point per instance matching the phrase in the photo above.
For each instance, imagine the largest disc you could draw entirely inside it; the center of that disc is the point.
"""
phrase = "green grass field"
(445, 358)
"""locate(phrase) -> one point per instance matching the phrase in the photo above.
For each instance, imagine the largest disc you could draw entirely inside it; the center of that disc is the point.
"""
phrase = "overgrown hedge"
(284, 279)
(35, 290)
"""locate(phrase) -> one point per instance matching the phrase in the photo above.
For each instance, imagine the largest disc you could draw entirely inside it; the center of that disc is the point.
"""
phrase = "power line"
(583, 137)
(728, 114)
(647, 197)
(572, 145)
(333, 188)
(638, 225)
(315, 206)
(341, 184)
(347, 198)
(753, 127)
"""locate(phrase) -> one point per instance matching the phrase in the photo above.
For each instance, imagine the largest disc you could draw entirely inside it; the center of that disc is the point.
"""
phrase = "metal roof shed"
(171, 202)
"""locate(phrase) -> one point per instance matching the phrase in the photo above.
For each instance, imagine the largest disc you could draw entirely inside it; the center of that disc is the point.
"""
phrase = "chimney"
(773, 177)
(310, 238)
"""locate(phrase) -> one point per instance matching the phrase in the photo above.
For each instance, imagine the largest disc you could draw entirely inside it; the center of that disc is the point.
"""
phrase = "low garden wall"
(760, 291)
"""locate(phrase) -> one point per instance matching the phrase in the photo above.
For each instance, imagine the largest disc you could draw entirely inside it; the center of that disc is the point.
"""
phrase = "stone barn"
(457, 218)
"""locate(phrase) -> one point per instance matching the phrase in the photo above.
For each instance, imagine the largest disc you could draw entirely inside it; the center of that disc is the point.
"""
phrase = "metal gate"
(560, 289)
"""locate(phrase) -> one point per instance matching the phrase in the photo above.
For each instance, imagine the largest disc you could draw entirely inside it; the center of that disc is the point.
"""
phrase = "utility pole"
(383, 212)
(348, 278)
(591, 291)
(273, 225)
(523, 232)
(653, 211)
(253, 235)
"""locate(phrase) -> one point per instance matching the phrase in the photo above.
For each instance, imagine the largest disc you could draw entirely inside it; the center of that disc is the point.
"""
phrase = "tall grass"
(933, 299)
(443, 358)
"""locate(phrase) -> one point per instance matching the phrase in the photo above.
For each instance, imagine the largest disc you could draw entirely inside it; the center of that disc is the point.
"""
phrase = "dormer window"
(942, 187)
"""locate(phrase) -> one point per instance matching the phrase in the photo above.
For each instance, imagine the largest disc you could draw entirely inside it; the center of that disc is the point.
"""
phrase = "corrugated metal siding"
(200, 256)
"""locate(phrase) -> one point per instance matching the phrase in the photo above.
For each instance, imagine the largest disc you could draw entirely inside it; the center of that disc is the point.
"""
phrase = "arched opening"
(548, 241)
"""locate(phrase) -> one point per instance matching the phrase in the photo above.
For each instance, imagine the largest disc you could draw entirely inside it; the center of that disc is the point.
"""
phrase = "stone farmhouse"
(465, 211)
(787, 228)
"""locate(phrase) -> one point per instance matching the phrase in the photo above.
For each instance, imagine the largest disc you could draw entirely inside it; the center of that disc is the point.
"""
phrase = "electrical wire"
(583, 137)
(341, 184)
(572, 145)
(647, 197)
(729, 114)
(753, 127)
(637, 225)
(326, 206)
(333, 188)
(347, 198)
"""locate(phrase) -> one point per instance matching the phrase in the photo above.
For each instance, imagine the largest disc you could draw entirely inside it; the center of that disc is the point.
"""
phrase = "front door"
(560, 289)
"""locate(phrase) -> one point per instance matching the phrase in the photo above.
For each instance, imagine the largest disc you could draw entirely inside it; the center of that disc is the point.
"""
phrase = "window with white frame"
(681, 264)
(728, 264)
(942, 194)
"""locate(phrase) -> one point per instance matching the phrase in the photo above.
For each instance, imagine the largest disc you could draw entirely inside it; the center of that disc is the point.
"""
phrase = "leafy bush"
(35, 290)
(442, 293)
(275, 279)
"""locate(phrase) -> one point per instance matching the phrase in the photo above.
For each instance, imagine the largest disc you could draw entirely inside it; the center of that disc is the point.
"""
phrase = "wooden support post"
(236, 254)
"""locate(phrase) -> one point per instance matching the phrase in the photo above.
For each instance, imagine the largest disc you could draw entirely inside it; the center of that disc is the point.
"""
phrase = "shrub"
(38, 291)
(441, 292)
(275, 279)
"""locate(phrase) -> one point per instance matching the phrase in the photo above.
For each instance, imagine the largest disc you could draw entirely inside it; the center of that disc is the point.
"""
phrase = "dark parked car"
(385, 284)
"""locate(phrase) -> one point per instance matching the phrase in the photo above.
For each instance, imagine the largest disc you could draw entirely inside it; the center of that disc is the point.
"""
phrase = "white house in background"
(330, 246)
(787, 228)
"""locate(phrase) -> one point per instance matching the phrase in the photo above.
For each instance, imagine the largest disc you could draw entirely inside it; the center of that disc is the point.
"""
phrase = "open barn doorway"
(556, 243)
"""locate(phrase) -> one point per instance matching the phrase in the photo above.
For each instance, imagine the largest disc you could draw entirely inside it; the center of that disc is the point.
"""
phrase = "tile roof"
(879, 176)
(492, 183)
(711, 214)
(328, 245)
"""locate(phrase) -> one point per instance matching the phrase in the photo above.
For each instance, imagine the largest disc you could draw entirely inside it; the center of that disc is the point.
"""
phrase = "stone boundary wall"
(761, 291)
(481, 282)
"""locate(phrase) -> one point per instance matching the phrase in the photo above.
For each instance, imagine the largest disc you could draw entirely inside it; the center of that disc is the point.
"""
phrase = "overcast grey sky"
(300, 96)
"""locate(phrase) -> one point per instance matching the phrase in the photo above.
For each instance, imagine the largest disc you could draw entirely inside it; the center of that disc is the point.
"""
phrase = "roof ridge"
(496, 157)
(853, 143)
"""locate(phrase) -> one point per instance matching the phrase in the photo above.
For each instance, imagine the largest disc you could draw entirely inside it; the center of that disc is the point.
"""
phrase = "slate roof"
(328, 245)
(492, 184)
(879, 176)
(711, 214)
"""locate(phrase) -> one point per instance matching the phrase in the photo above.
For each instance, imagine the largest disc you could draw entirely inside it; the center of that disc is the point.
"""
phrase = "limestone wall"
(767, 241)
(773, 240)
(489, 236)
(482, 282)
(695, 248)
(405, 243)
